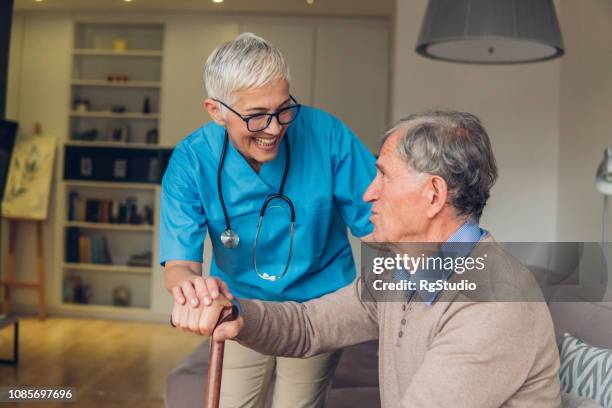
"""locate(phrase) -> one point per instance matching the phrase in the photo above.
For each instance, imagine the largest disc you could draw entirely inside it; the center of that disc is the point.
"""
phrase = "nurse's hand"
(185, 282)
(200, 290)
(199, 320)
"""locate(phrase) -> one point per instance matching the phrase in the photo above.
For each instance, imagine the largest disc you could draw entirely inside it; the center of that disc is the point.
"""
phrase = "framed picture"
(120, 168)
(86, 168)
(26, 194)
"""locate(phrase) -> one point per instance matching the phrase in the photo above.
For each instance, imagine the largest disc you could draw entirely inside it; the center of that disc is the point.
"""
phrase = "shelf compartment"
(101, 52)
(110, 184)
(105, 83)
(114, 115)
(143, 270)
(92, 307)
(129, 145)
(111, 227)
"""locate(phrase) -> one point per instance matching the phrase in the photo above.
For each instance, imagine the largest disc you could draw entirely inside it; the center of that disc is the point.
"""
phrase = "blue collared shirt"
(460, 244)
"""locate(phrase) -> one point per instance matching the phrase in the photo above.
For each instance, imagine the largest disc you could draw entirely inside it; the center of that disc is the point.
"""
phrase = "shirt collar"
(458, 245)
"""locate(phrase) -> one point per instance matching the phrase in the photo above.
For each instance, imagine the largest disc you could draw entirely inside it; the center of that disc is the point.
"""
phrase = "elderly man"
(435, 172)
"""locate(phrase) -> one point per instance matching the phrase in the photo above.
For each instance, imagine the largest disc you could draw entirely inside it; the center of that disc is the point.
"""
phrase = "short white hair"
(246, 62)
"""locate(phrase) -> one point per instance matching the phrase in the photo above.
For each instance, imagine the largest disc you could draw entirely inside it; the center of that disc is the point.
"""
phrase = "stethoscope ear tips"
(229, 239)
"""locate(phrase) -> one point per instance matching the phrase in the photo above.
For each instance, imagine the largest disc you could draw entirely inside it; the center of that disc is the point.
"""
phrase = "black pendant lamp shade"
(490, 31)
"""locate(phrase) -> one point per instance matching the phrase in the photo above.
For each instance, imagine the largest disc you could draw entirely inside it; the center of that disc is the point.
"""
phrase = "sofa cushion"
(574, 401)
(574, 310)
(586, 371)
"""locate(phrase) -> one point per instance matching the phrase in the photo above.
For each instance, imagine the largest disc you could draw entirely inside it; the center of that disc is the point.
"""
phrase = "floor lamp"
(603, 183)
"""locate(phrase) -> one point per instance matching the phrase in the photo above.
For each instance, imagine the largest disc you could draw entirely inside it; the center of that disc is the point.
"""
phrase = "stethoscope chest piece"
(230, 239)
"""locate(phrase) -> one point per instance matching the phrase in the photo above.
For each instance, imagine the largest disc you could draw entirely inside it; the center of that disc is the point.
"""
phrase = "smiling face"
(400, 197)
(256, 147)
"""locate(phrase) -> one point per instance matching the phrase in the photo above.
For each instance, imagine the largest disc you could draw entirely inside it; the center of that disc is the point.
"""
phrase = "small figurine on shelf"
(71, 283)
(117, 78)
(122, 296)
(81, 105)
(119, 45)
(148, 215)
(82, 293)
(143, 259)
(118, 109)
(152, 136)
(88, 135)
(146, 105)
(118, 132)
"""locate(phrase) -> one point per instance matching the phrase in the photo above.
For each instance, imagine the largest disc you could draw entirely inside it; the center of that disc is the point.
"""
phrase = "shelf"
(112, 227)
(129, 145)
(109, 114)
(126, 84)
(75, 307)
(144, 270)
(99, 52)
(111, 184)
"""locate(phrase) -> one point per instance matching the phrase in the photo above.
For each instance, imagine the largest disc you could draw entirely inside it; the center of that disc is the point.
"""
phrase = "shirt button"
(403, 321)
(400, 334)
(404, 308)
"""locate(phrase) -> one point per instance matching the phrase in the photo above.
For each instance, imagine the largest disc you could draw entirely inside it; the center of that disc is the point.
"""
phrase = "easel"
(8, 281)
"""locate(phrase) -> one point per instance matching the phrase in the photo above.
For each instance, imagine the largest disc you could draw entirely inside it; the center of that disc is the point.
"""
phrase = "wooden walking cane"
(215, 362)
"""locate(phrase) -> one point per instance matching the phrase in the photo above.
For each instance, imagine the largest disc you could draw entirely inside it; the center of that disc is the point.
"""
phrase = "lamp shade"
(603, 178)
(490, 31)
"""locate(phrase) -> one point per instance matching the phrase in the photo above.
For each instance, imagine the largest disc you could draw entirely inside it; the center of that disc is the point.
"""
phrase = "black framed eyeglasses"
(260, 121)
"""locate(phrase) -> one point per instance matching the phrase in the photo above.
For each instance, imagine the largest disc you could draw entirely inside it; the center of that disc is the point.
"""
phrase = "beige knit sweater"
(454, 353)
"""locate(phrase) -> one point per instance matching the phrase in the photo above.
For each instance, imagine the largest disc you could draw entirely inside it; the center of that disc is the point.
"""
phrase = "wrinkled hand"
(228, 330)
(200, 320)
(199, 290)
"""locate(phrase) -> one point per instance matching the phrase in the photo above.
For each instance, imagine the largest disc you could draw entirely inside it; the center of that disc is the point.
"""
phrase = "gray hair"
(246, 62)
(456, 147)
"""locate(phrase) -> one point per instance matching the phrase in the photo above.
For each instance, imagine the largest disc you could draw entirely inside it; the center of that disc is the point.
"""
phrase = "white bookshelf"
(110, 80)
(108, 226)
(114, 115)
(109, 184)
(106, 83)
(97, 52)
(89, 267)
(118, 144)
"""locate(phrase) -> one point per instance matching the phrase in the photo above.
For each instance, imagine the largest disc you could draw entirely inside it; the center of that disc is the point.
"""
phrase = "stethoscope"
(229, 237)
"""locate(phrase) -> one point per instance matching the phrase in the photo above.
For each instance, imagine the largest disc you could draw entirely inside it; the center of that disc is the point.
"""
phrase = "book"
(92, 210)
(84, 249)
(73, 198)
(72, 245)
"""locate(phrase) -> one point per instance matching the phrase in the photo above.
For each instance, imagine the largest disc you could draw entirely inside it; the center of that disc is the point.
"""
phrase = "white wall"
(340, 65)
(37, 92)
(519, 106)
(586, 116)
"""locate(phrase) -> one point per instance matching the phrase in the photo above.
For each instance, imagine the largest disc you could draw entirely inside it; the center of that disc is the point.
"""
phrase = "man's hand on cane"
(203, 318)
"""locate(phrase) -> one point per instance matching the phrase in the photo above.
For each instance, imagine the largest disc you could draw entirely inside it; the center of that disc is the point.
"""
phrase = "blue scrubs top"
(329, 171)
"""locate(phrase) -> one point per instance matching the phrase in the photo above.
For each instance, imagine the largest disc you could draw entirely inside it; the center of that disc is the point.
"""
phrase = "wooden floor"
(110, 363)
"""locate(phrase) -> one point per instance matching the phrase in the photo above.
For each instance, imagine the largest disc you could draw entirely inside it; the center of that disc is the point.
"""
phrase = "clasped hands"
(198, 303)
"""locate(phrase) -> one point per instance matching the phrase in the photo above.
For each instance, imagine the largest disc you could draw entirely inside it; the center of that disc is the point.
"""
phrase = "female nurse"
(275, 184)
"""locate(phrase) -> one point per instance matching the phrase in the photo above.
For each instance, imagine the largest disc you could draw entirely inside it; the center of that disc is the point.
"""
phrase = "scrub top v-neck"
(330, 170)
